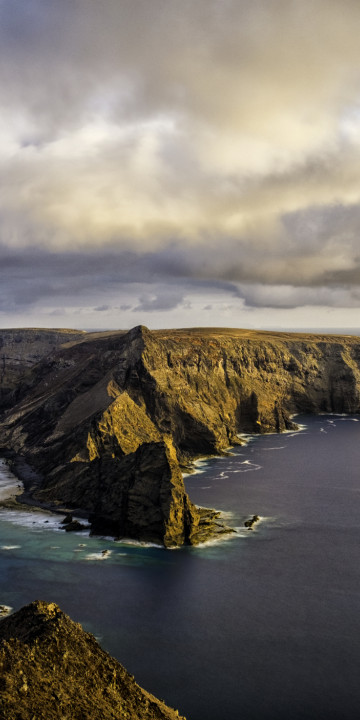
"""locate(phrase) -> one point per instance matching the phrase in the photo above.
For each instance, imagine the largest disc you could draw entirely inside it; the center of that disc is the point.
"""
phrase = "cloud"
(166, 300)
(310, 257)
(287, 296)
(150, 153)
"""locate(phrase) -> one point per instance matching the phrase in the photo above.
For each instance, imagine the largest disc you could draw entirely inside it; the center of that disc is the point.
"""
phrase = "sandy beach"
(10, 486)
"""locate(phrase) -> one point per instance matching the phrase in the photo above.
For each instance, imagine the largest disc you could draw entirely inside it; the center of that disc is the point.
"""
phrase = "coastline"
(20, 497)
(23, 500)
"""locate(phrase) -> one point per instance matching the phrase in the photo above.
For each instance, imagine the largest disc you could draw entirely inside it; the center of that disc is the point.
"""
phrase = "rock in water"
(67, 519)
(249, 523)
(51, 668)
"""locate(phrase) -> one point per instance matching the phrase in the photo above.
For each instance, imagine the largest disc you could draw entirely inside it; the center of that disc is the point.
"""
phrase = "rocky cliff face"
(213, 384)
(20, 350)
(50, 668)
(106, 421)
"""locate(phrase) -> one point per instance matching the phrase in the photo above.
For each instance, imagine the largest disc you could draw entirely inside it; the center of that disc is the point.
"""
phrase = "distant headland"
(106, 422)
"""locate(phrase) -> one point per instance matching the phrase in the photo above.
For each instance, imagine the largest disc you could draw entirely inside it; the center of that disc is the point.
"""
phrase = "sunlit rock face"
(50, 667)
(107, 421)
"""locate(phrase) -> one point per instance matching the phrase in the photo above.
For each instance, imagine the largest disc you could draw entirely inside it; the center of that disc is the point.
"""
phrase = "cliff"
(106, 421)
(211, 384)
(20, 350)
(51, 668)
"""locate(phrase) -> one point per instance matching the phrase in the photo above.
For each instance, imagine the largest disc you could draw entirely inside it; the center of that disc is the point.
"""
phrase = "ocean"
(263, 626)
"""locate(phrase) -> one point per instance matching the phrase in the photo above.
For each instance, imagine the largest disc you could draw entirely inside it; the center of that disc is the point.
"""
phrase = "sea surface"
(265, 626)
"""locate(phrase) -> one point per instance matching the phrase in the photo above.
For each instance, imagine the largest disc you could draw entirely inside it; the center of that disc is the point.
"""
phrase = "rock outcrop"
(105, 422)
(51, 668)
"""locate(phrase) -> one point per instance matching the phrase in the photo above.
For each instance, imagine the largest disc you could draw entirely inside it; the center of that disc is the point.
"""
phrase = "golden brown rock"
(50, 668)
(108, 419)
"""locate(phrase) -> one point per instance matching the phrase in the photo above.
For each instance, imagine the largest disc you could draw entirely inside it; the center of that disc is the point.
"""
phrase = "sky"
(178, 163)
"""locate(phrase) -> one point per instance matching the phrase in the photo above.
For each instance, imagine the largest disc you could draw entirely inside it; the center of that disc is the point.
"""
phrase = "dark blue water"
(264, 627)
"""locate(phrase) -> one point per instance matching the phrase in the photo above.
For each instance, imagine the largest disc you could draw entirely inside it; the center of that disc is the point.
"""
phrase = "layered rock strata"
(105, 422)
(51, 668)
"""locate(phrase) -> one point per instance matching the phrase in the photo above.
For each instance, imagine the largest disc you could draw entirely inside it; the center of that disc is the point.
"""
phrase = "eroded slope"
(20, 350)
(50, 668)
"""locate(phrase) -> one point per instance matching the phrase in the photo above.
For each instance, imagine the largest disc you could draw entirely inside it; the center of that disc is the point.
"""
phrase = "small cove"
(261, 626)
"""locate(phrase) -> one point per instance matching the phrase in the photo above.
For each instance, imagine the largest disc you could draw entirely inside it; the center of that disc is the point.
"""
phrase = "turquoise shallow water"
(263, 626)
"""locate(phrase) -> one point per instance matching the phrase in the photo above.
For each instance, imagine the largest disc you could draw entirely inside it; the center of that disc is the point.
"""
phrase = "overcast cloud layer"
(175, 162)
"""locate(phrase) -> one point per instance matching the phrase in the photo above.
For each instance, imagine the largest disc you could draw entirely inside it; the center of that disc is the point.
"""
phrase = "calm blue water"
(263, 627)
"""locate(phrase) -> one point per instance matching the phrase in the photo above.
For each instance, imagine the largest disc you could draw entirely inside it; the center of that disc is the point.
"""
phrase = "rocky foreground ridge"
(107, 420)
(50, 668)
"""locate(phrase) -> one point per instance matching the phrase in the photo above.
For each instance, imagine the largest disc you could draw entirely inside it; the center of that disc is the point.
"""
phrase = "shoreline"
(29, 478)
(246, 439)
(23, 499)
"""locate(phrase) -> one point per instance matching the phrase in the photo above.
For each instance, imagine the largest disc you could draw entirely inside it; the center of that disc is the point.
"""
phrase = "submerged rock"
(51, 668)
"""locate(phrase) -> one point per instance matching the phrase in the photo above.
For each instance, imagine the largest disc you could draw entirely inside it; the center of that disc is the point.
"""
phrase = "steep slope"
(20, 350)
(50, 669)
(108, 420)
(212, 384)
(85, 429)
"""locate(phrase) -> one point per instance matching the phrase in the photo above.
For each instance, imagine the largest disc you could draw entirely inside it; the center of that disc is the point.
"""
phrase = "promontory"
(105, 422)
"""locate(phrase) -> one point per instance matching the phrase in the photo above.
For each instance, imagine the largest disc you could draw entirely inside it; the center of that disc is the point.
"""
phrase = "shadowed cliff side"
(20, 350)
(85, 430)
(106, 421)
(51, 668)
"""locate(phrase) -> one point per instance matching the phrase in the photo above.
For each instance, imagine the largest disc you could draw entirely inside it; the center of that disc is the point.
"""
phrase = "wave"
(138, 543)
(275, 448)
(292, 434)
(250, 467)
(218, 540)
(37, 521)
(102, 555)
(10, 547)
